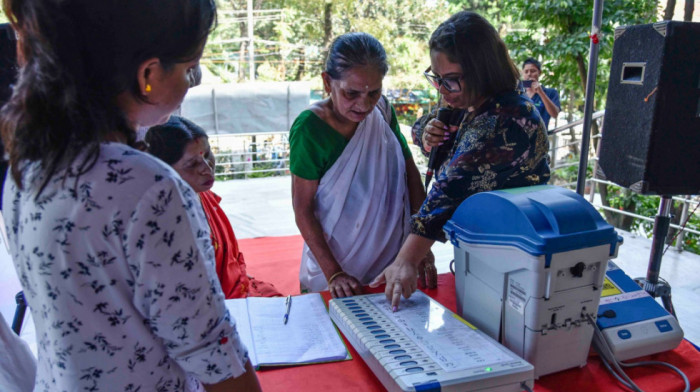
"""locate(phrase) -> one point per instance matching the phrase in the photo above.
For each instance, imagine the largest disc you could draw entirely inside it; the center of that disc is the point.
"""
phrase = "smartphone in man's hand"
(527, 83)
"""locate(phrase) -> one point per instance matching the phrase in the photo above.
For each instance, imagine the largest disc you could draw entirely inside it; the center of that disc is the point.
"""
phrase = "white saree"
(363, 206)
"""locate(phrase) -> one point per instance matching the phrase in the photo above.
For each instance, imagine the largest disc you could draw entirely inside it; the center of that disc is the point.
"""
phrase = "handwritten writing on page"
(308, 337)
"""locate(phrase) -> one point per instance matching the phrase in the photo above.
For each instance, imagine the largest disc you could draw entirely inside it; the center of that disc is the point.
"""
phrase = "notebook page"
(238, 309)
(309, 335)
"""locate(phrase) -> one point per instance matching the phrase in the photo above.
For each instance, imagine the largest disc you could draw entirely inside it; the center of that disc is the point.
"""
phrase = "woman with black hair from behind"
(111, 246)
(185, 146)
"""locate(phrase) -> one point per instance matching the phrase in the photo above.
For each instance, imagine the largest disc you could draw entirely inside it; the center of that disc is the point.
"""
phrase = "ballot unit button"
(624, 334)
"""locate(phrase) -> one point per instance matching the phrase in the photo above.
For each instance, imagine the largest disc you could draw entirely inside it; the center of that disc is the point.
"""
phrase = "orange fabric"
(281, 264)
(230, 263)
(277, 259)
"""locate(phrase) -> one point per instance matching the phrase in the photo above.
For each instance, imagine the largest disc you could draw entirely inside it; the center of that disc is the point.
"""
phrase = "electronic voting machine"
(426, 347)
(529, 265)
(632, 322)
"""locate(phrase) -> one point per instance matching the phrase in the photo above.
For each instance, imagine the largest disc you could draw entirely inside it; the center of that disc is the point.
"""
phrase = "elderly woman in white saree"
(354, 182)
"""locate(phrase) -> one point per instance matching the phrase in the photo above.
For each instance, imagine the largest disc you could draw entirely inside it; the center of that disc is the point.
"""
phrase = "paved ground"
(263, 207)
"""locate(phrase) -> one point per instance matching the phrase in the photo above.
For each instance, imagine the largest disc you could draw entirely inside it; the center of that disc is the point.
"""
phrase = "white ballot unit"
(425, 347)
(632, 322)
(529, 268)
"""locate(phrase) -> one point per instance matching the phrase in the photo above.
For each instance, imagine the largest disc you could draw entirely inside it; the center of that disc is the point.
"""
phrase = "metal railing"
(689, 202)
(250, 155)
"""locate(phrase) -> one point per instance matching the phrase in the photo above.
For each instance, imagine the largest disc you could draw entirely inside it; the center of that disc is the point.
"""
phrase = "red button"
(223, 340)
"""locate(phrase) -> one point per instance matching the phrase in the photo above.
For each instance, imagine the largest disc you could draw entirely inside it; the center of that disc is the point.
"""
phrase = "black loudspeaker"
(8, 61)
(651, 133)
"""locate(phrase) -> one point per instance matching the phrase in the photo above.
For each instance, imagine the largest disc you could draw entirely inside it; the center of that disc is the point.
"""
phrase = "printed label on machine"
(443, 337)
(516, 296)
(611, 293)
(609, 288)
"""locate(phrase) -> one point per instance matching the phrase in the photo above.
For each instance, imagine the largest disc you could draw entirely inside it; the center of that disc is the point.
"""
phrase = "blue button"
(397, 351)
(414, 369)
(354, 307)
(392, 346)
(382, 336)
(376, 331)
(624, 334)
(347, 301)
(402, 357)
(360, 315)
(664, 326)
(387, 341)
(365, 318)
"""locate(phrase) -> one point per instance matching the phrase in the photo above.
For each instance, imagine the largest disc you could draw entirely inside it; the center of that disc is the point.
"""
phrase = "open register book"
(308, 337)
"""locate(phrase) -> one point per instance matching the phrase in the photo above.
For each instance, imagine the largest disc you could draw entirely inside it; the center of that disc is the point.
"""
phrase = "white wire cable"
(604, 351)
(659, 363)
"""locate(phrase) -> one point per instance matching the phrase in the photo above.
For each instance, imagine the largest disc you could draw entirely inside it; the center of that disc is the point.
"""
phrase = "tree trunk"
(569, 119)
(327, 24)
(241, 62)
(689, 8)
(300, 68)
(670, 6)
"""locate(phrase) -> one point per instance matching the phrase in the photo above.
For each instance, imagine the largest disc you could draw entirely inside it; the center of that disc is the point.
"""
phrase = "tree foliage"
(293, 45)
(557, 32)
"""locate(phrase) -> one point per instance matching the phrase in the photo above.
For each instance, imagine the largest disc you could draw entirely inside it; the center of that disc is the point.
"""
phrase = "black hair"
(472, 42)
(354, 50)
(533, 61)
(76, 58)
(168, 141)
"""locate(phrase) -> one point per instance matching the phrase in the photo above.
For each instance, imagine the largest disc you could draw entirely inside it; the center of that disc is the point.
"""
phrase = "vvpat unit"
(529, 268)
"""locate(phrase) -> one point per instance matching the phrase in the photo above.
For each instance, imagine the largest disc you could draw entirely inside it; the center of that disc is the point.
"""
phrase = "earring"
(148, 88)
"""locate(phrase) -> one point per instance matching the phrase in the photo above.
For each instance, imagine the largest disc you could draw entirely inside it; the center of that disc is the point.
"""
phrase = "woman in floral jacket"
(500, 143)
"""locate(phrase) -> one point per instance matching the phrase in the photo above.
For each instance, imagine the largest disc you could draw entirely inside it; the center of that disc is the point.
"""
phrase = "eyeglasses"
(452, 85)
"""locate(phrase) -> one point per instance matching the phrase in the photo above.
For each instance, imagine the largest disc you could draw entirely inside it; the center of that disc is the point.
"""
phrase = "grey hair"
(354, 50)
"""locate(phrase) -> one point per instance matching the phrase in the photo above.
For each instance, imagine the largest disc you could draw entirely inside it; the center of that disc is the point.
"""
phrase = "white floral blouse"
(118, 270)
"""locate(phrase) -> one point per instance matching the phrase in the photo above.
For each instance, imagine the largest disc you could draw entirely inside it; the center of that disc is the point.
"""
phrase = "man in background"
(545, 99)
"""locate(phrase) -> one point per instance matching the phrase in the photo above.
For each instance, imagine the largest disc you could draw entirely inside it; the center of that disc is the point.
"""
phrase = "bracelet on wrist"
(335, 275)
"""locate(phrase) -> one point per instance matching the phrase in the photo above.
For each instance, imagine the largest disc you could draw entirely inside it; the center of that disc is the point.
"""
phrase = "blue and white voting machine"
(632, 322)
(426, 347)
(529, 269)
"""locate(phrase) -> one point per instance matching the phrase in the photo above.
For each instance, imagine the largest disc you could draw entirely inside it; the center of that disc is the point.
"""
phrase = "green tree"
(557, 31)
(293, 45)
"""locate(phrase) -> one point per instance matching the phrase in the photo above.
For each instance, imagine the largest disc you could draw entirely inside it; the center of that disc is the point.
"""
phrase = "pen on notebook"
(287, 302)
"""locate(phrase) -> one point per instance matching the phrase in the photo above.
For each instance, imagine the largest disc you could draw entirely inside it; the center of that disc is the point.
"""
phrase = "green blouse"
(314, 146)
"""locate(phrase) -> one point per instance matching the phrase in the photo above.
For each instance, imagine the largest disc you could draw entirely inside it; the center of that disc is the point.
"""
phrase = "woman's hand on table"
(400, 278)
(427, 273)
(344, 285)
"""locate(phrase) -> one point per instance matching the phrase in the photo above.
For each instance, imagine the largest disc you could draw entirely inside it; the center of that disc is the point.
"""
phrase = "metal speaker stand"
(653, 285)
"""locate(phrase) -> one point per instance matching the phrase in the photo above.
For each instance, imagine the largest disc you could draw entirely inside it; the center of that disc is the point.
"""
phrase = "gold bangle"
(335, 275)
